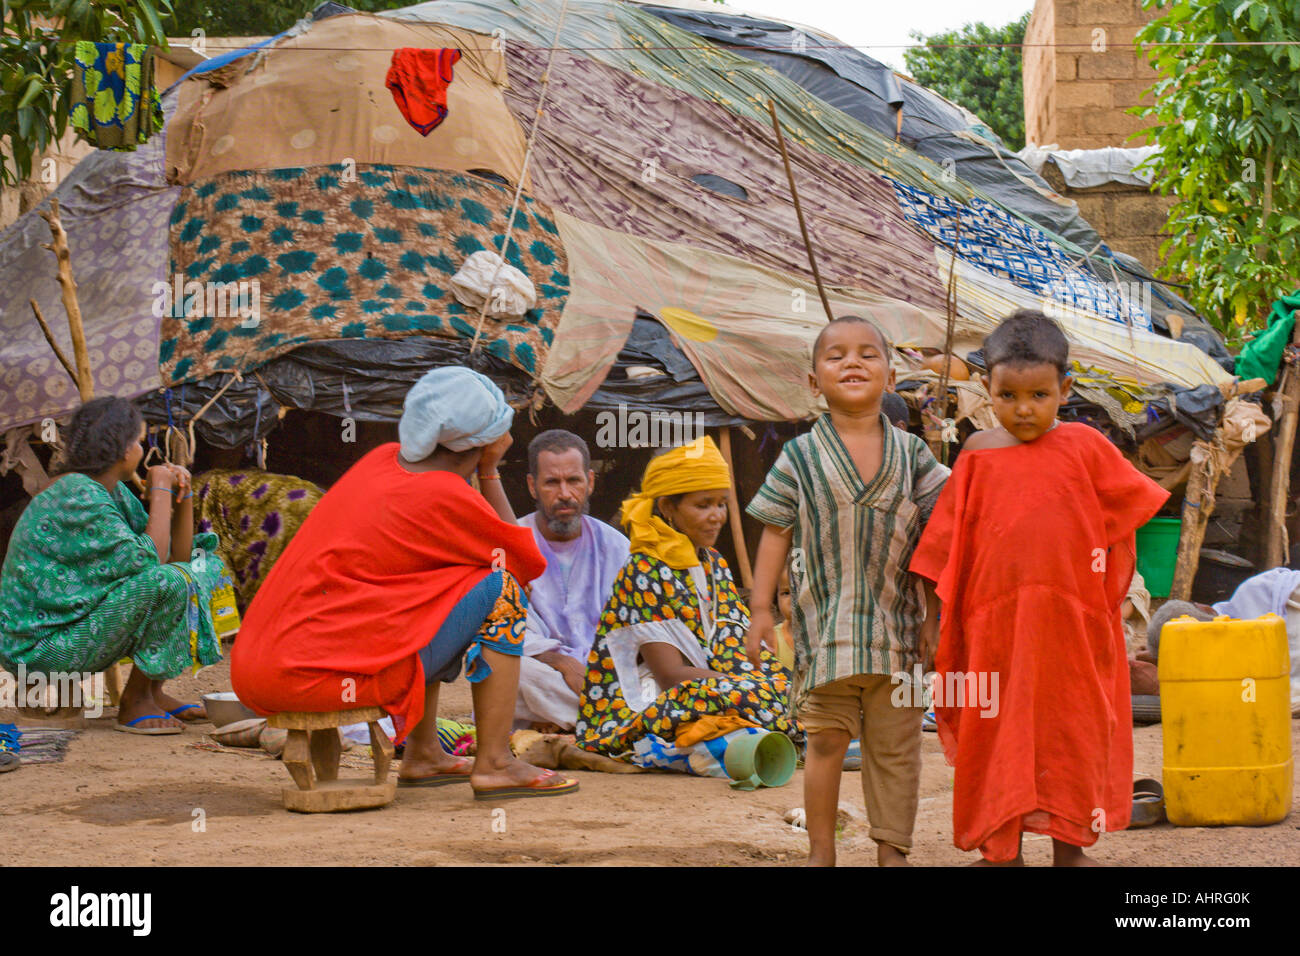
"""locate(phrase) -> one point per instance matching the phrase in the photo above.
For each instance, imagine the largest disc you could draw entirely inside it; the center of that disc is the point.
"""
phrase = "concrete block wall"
(1081, 73)
(1130, 218)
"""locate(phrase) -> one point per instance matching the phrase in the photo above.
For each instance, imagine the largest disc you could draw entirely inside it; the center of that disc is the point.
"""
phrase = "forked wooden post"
(1198, 505)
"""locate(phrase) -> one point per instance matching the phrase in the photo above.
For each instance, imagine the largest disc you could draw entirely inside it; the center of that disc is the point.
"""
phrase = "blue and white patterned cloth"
(993, 239)
(704, 759)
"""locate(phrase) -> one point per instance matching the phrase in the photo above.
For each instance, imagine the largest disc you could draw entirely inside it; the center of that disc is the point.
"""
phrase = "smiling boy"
(852, 496)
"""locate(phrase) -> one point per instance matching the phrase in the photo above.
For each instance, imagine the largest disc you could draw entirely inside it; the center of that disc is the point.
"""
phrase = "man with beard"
(583, 556)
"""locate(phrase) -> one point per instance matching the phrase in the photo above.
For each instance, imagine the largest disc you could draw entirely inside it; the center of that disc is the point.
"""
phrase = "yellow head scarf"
(698, 466)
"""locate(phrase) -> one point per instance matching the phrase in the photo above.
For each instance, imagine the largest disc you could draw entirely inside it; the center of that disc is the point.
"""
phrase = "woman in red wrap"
(401, 571)
(1031, 544)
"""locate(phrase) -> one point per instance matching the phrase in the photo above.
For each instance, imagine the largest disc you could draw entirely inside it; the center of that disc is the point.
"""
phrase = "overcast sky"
(882, 26)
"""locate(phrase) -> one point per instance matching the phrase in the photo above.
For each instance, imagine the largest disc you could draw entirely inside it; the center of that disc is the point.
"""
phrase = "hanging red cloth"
(365, 583)
(419, 79)
(1032, 549)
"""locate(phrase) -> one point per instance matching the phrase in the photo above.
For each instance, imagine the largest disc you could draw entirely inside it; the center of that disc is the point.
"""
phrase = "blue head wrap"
(454, 407)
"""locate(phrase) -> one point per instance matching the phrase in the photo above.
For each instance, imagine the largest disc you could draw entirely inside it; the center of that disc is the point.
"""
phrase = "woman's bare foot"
(194, 714)
(426, 765)
(1018, 861)
(510, 772)
(887, 855)
(131, 708)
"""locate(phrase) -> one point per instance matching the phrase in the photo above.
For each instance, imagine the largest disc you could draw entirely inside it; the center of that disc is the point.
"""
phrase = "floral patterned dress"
(620, 703)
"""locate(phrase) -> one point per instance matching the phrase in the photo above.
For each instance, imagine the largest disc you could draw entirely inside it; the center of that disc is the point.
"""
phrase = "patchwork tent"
(655, 225)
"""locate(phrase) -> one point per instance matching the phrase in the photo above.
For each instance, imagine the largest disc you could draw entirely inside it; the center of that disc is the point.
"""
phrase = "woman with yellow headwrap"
(668, 660)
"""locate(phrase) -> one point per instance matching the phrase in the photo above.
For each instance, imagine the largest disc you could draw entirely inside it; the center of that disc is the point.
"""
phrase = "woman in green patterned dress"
(90, 578)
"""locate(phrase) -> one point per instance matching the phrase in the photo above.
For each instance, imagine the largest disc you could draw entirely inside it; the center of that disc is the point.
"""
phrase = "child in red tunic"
(1031, 545)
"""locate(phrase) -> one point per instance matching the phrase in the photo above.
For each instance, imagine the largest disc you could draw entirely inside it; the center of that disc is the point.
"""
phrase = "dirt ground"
(119, 799)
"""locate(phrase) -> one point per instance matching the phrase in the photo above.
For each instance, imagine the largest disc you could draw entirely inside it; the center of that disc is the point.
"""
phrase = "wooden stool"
(312, 755)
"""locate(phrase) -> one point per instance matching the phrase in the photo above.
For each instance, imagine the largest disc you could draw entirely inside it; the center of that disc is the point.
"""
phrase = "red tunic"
(1032, 549)
(364, 584)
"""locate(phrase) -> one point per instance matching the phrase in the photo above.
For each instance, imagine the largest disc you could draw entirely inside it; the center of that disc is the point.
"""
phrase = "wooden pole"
(113, 679)
(1198, 505)
(733, 513)
(1275, 540)
(798, 210)
(85, 383)
(1263, 496)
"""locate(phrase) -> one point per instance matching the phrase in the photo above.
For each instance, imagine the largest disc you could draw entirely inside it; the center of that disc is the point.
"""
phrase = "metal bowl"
(225, 708)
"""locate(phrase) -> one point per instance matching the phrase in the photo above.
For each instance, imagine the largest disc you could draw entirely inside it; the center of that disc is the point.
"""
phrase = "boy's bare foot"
(887, 855)
(1018, 861)
(821, 855)
(1063, 854)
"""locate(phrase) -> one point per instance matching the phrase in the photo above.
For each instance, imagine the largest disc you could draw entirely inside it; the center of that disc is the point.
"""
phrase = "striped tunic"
(856, 607)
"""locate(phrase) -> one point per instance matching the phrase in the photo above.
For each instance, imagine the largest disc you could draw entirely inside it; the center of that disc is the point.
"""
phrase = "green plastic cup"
(760, 760)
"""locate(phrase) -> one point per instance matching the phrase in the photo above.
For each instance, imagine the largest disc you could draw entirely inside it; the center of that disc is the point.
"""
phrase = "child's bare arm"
(773, 549)
(930, 628)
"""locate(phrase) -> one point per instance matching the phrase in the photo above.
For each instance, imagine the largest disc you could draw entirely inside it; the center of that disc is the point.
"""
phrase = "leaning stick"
(733, 513)
(798, 209)
(49, 337)
(85, 383)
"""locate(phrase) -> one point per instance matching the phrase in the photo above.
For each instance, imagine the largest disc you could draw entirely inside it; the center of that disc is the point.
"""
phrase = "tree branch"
(49, 337)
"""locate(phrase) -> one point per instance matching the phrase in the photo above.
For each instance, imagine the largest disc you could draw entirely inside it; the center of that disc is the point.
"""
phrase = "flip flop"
(532, 789)
(189, 720)
(438, 779)
(130, 727)
(1148, 803)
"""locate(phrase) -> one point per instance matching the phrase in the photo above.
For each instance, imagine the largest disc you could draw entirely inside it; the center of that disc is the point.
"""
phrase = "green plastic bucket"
(760, 760)
(1157, 554)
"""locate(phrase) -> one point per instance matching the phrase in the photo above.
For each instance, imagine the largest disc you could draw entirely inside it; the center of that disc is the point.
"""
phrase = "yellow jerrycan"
(1225, 707)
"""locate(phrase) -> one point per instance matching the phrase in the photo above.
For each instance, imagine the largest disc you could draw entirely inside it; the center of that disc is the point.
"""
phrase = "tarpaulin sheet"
(853, 82)
(1262, 355)
(114, 206)
(870, 92)
(367, 380)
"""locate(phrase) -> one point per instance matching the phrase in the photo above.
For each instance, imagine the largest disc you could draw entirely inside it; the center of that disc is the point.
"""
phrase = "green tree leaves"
(36, 65)
(1225, 119)
(978, 67)
(249, 18)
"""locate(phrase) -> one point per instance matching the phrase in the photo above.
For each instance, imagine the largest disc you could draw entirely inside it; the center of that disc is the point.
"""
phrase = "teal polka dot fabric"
(345, 251)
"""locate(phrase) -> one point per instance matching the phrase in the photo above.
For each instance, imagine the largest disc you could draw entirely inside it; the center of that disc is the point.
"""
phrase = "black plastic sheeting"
(679, 389)
(367, 380)
(871, 93)
(1199, 408)
(329, 9)
(364, 379)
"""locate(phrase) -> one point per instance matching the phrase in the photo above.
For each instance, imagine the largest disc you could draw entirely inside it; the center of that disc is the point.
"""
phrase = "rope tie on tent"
(234, 377)
(948, 426)
(523, 174)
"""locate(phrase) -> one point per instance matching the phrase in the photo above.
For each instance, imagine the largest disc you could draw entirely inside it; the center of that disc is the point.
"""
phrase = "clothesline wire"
(788, 48)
